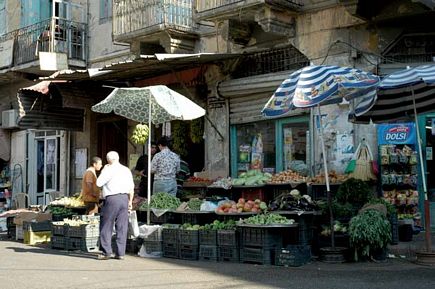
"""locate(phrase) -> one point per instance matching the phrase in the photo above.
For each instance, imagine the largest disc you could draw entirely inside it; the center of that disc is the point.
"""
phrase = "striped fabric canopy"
(395, 95)
(313, 85)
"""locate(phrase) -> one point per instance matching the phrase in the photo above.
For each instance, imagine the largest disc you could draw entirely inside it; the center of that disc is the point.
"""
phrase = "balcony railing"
(51, 35)
(133, 17)
(207, 5)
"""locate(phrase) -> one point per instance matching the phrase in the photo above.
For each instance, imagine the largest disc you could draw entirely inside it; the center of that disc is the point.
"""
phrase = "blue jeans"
(167, 185)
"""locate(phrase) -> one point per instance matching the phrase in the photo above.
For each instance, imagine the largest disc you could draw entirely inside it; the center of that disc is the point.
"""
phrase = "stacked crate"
(170, 242)
(228, 246)
(259, 244)
(153, 243)
(208, 250)
(188, 244)
(36, 232)
(84, 237)
(58, 235)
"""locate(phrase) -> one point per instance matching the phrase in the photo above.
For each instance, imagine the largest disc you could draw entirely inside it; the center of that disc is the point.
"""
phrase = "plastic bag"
(208, 206)
(350, 168)
(133, 227)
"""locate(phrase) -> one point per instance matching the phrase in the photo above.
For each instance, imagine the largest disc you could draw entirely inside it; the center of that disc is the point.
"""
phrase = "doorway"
(113, 136)
(429, 141)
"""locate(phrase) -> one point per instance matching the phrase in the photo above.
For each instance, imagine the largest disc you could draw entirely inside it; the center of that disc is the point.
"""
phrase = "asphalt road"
(23, 266)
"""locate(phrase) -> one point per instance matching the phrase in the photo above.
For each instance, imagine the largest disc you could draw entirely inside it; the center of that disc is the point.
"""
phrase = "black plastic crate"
(257, 255)
(153, 247)
(170, 251)
(228, 238)
(155, 236)
(132, 246)
(166, 218)
(208, 253)
(208, 237)
(12, 232)
(37, 226)
(58, 242)
(228, 254)
(197, 219)
(261, 237)
(83, 231)
(57, 218)
(188, 252)
(82, 244)
(58, 229)
(188, 237)
(170, 235)
(293, 256)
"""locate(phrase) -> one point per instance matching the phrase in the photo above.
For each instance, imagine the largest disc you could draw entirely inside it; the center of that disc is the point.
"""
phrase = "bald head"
(112, 157)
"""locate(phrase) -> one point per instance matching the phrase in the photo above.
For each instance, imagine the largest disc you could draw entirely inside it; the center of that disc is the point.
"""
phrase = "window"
(105, 10)
(3, 17)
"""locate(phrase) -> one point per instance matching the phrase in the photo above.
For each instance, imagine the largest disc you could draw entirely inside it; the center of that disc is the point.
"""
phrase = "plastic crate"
(58, 229)
(83, 231)
(37, 226)
(188, 237)
(155, 236)
(208, 237)
(12, 232)
(32, 238)
(228, 254)
(132, 246)
(293, 256)
(253, 194)
(58, 242)
(170, 235)
(228, 238)
(87, 218)
(188, 252)
(166, 218)
(170, 251)
(208, 253)
(197, 219)
(58, 218)
(257, 255)
(153, 247)
(261, 237)
(83, 244)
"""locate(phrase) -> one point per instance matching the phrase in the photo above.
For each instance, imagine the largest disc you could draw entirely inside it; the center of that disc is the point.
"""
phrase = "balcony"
(241, 9)
(148, 20)
(51, 35)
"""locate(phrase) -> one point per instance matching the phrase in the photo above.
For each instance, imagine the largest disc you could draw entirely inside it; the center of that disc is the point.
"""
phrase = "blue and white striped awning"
(396, 93)
(313, 85)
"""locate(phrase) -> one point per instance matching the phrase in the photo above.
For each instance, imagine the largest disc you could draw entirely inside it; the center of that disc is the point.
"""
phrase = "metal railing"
(50, 35)
(135, 15)
(205, 5)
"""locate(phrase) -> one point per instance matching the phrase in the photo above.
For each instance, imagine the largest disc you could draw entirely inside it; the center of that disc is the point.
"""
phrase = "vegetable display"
(293, 201)
(266, 219)
(162, 201)
(194, 204)
(252, 178)
(218, 225)
(288, 176)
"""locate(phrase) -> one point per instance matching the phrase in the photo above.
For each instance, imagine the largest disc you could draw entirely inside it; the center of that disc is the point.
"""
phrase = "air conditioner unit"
(10, 118)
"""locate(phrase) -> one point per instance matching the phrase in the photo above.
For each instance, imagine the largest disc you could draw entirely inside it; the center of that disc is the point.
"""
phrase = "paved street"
(23, 266)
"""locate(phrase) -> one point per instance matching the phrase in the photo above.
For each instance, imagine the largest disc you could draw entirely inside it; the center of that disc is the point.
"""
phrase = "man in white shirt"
(118, 189)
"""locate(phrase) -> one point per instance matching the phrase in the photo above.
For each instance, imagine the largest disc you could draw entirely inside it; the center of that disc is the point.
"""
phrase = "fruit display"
(73, 202)
(288, 176)
(267, 219)
(293, 201)
(140, 134)
(252, 178)
(334, 178)
(242, 206)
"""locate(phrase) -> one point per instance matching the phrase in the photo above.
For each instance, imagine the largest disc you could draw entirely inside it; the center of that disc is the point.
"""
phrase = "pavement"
(23, 266)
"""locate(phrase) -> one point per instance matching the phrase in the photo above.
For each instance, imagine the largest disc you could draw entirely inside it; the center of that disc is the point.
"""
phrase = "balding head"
(112, 157)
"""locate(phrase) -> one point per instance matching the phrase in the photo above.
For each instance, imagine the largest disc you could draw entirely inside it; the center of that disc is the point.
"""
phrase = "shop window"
(294, 153)
(255, 146)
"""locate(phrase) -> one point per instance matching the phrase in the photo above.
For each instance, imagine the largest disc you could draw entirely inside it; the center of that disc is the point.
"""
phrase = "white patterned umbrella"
(152, 104)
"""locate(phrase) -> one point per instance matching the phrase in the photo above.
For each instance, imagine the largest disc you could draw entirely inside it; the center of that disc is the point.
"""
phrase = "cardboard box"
(31, 216)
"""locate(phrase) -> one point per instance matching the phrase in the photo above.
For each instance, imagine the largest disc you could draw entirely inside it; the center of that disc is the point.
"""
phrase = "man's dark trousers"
(114, 212)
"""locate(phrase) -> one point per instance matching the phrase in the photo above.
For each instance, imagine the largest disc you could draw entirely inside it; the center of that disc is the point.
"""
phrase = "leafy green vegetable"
(162, 201)
(267, 219)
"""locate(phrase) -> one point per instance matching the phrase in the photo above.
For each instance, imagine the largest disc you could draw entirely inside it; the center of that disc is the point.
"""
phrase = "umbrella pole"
(428, 236)
(149, 163)
(325, 167)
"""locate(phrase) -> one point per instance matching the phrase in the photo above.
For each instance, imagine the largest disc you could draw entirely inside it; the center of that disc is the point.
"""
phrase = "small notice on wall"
(81, 159)
(429, 156)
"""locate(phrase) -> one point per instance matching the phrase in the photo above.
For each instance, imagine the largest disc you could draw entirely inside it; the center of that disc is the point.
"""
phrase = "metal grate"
(411, 48)
(270, 61)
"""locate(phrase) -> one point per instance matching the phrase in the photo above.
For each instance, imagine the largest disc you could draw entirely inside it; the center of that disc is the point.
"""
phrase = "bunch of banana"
(140, 134)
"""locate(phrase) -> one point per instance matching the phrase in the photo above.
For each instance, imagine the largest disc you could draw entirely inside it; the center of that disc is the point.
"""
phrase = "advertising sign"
(398, 133)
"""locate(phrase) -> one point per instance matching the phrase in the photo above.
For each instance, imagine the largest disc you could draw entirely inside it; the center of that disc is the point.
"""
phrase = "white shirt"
(115, 179)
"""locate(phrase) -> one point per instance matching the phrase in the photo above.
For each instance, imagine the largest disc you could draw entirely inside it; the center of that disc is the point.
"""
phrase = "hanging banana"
(140, 134)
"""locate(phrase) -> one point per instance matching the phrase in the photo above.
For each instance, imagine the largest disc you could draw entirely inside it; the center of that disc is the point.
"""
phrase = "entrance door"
(112, 136)
(429, 141)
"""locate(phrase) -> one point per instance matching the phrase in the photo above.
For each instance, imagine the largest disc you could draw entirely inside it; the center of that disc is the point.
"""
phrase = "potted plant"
(369, 234)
